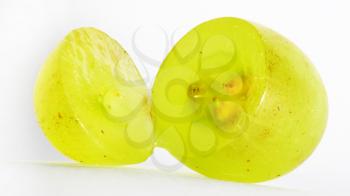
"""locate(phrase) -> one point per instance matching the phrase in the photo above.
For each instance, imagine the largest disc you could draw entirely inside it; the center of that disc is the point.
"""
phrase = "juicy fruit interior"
(91, 101)
(236, 101)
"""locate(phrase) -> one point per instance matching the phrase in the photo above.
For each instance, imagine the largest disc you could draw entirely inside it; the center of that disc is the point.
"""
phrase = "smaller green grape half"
(237, 101)
(92, 103)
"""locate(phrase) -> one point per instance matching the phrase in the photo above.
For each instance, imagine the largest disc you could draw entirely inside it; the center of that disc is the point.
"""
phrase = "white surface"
(70, 179)
(29, 30)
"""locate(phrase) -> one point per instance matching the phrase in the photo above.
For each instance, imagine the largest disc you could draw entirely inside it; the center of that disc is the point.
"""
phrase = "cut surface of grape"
(247, 105)
(91, 101)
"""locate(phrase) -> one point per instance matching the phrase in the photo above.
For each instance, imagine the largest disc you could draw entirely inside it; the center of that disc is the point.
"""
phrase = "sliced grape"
(250, 113)
(91, 101)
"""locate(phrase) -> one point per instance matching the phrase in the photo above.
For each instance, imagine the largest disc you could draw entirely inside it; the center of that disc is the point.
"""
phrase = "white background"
(29, 30)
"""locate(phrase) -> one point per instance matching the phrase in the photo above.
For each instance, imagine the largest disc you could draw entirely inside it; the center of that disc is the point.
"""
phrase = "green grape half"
(92, 103)
(236, 101)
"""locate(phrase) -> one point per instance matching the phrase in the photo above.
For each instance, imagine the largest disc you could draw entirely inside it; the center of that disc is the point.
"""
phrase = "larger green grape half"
(92, 103)
(236, 101)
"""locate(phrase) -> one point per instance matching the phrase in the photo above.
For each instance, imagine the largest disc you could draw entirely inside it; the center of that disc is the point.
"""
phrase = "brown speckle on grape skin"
(59, 115)
(102, 131)
(265, 133)
(273, 60)
(269, 67)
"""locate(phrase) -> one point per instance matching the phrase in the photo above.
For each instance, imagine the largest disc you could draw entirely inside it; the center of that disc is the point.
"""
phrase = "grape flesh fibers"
(236, 101)
(92, 103)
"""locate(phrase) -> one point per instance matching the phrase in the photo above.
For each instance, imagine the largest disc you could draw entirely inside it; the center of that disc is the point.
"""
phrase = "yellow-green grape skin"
(91, 101)
(236, 101)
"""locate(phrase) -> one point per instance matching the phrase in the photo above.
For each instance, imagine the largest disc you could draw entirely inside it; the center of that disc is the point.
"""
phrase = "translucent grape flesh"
(91, 101)
(236, 101)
